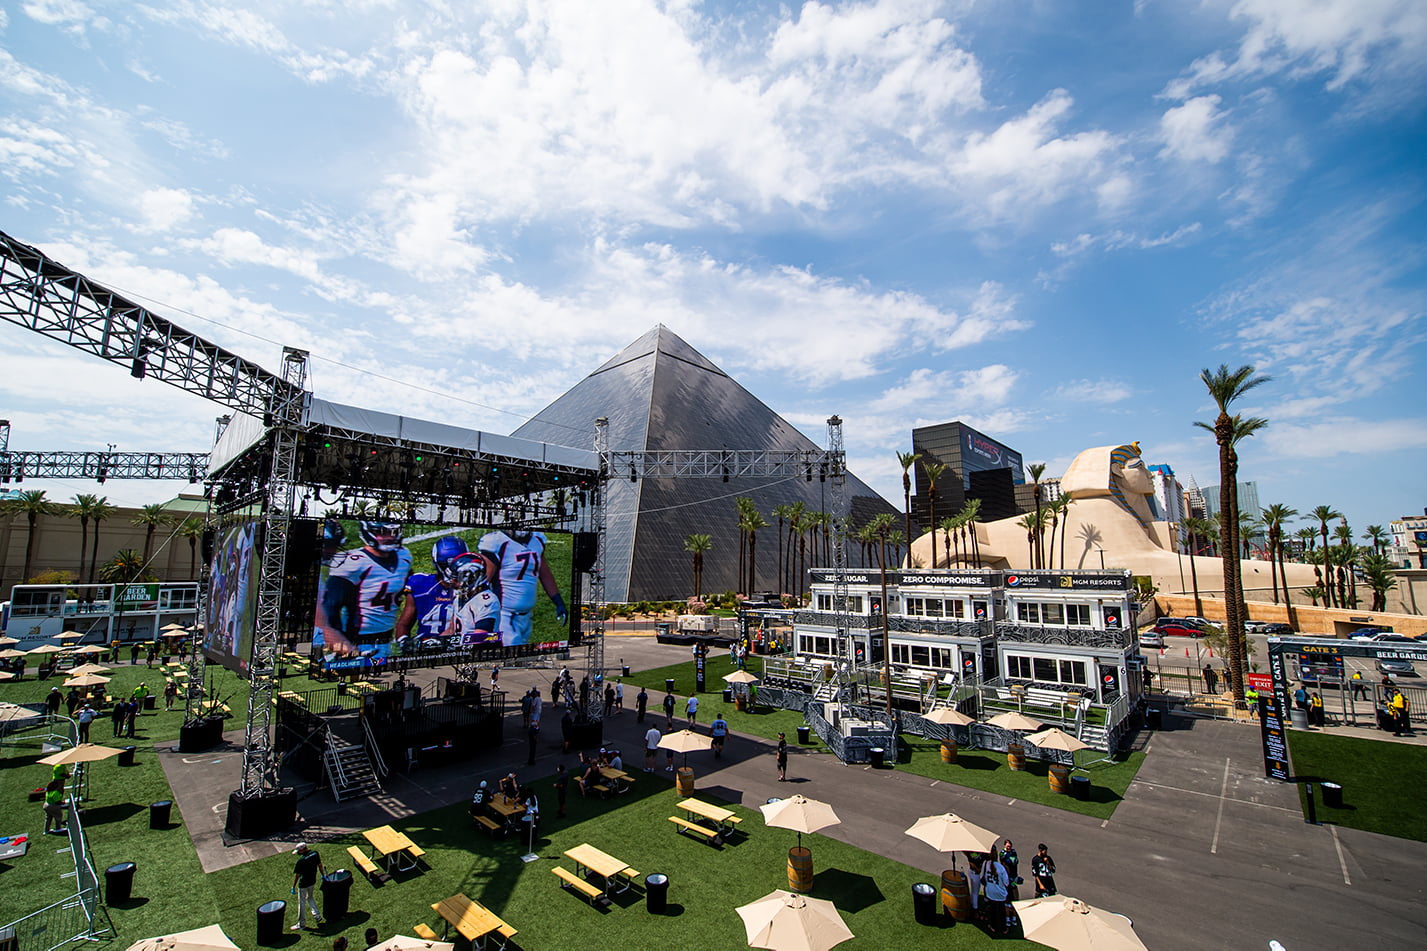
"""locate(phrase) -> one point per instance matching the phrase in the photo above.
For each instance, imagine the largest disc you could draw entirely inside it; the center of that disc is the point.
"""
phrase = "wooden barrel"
(948, 750)
(740, 701)
(800, 869)
(684, 781)
(1016, 757)
(956, 895)
(1060, 779)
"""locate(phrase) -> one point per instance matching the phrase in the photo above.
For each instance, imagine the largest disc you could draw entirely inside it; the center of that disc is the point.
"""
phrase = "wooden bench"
(571, 880)
(364, 863)
(416, 852)
(422, 931)
(684, 825)
(602, 789)
(490, 825)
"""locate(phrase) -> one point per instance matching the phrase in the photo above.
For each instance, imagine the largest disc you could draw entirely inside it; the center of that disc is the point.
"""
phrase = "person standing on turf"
(669, 709)
(719, 728)
(641, 705)
(782, 758)
(304, 881)
(691, 707)
(651, 748)
(1043, 870)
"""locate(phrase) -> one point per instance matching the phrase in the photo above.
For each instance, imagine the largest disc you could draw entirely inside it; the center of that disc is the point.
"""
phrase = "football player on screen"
(516, 561)
(477, 608)
(431, 599)
(358, 608)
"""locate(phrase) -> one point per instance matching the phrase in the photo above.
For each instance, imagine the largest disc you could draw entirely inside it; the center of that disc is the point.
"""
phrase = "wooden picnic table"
(601, 863)
(394, 847)
(473, 921)
(723, 818)
(617, 778)
(506, 806)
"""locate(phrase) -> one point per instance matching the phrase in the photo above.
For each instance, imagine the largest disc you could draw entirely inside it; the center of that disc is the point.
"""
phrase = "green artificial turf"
(706, 884)
(982, 770)
(1380, 781)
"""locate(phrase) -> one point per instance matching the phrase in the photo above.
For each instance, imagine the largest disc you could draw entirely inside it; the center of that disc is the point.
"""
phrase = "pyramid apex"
(658, 340)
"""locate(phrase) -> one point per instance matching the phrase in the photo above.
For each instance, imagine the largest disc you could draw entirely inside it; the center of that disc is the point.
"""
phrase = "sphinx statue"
(1109, 524)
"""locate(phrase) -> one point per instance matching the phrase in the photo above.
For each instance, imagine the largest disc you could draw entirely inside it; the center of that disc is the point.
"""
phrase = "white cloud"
(1336, 436)
(1093, 391)
(1347, 40)
(165, 208)
(66, 13)
(1193, 132)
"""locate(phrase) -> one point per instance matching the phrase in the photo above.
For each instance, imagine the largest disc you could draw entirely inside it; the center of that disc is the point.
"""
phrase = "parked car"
(1255, 627)
(1177, 627)
(1396, 667)
(1199, 622)
(1151, 638)
(1277, 630)
(1366, 633)
(1384, 637)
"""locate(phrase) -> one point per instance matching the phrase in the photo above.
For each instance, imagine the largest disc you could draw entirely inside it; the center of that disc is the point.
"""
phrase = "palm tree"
(1274, 518)
(1377, 537)
(1348, 555)
(1226, 387)
(795, 518)
(881, 526)
(781, 512)
(101, 510)
(1379, 571)
(697, 545)
(906, 460)
(754, 523)
(1054, 508)
(151, 517)
(950, 524)
(1037, 469)
(1325, 514)
(31, 504)
(82, 508)
(1031, 523)
(192, 530)
(743, 506)
(1314, 593)
(1199, 529)
(933, 471)
(126, 567)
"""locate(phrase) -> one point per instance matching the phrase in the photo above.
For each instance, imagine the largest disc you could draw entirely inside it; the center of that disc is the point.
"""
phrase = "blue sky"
(1043, 218)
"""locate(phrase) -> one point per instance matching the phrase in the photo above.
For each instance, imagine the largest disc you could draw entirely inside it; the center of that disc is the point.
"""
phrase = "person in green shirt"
(54, 805)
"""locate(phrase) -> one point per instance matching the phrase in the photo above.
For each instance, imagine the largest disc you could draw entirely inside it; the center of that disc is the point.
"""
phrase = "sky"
(1039, 217)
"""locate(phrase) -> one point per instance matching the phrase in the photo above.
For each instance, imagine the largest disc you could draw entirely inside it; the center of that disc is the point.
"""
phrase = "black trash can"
(669, 685)
(803, 732)
(656, 893)
(336, 893)
(119, 883)
(150, 702)
(924, 903)
(1332, 795)
(159, 813)
(728, 695)
(624, 670)
(1080, 788)
(126, 756)
(877, 754)
(1152, 718)
(270, 916)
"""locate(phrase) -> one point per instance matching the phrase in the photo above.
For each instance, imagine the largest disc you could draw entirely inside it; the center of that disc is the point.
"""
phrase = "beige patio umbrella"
(401, 942)
(83, 753)
(949, 716)
(784, 921)
(686, 742)
(90, 649)
(1069, 924)
(70, 636)
(10, 652)
(8, 641)
(800, 814)
(1014, 721)
(45, 649)
(86, 680)
(83, 669)
(1056, 739)
(175, 626)
(211, 938)
(740, 677)
(6, 675)
(11, 711)
(949, 832)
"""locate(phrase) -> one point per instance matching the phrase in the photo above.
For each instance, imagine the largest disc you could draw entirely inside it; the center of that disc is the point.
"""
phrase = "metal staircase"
(827, 692)
(350, 771)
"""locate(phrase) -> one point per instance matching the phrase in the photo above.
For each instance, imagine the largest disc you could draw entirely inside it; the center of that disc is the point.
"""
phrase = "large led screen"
(232, 596)
(392, 590)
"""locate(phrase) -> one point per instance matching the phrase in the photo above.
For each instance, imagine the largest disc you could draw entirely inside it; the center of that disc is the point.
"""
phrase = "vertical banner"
(1275, 743)
(701, 652)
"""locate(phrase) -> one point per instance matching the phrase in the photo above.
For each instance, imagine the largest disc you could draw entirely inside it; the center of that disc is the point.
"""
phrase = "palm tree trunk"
(752, 563)
(83, 545)
(29, 547)
(94, 552)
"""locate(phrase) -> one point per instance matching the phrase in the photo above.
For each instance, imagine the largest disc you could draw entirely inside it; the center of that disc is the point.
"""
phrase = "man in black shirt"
(304, 881)
(1043, 870)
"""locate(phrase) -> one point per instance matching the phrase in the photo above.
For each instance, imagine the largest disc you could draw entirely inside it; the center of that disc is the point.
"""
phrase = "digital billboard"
(982, 453)
(398, 590)
(232, 596)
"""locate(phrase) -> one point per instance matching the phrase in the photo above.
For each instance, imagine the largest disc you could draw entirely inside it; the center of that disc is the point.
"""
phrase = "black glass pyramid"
(661, 393)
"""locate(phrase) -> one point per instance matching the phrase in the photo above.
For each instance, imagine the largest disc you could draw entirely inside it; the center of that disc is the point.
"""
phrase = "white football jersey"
(378, 587)
(481, 606)
(518, 565)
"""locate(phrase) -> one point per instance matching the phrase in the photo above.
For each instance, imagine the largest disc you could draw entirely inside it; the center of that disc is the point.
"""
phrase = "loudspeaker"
(261, 816)
(207, 544)
(586, 550)
(300, 576)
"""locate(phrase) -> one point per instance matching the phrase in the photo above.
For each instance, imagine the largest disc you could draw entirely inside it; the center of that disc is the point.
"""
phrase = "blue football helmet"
(383, 536)
(333, 534)
(444, 553)
(470, 574)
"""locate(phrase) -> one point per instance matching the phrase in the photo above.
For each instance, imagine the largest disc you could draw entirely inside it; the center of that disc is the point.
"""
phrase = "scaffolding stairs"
(350, 771)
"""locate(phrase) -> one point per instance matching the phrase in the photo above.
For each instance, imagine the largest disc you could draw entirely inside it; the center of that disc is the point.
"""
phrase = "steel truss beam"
(723, 463)
(99, 466)
(42, 295)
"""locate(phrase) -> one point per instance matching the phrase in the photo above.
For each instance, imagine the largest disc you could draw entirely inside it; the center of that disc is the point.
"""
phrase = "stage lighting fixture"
(633, 475)
(139, 368)
(808, 471)
(822, 472)
(19, 475)
(192, 474)
(725, 473)
(102, 475)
